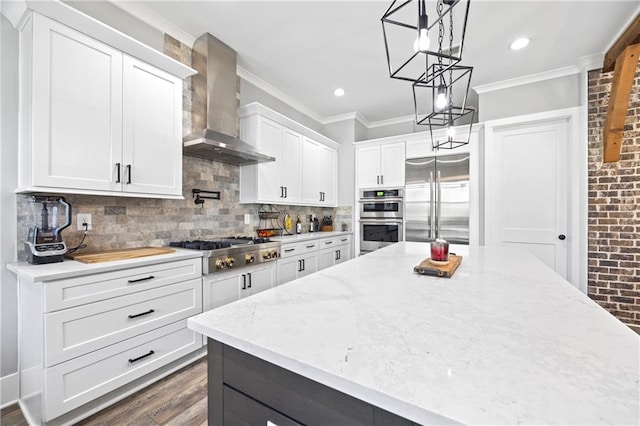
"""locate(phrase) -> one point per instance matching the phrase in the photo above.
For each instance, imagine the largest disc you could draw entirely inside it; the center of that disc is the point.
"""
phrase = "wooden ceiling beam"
(630, 37)
(623, 75)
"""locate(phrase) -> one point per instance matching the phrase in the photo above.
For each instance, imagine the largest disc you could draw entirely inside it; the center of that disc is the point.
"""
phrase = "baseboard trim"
(9, 389)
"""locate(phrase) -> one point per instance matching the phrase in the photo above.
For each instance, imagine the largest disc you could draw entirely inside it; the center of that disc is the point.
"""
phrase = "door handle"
(378, 179)
(286, 193)
(562, 237)
(303, 265)
(320, 196)
(244, 282)
(118, 172)
(300, 265)
(128, 173)
(382, 179)
(249, 285)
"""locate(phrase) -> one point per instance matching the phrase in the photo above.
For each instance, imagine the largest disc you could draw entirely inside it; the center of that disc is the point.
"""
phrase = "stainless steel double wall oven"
(381, 212)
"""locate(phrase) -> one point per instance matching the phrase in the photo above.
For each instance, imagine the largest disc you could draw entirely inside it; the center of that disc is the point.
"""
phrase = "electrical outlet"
(247, 219)
(84, 218)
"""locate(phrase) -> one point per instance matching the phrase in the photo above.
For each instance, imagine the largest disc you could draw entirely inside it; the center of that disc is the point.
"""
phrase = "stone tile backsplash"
(120, 222)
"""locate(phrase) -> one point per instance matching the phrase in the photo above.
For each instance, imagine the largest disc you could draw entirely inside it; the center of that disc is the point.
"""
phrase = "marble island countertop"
(504, 341)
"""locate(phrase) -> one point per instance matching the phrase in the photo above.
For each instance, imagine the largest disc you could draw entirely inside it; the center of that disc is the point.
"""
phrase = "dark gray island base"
(245, 390)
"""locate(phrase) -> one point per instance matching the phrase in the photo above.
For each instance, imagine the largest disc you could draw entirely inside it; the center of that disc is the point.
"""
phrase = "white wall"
(547, 95)
(8, 182)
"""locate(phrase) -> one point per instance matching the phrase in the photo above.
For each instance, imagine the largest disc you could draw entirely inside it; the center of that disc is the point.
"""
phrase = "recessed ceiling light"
(339, 91)
(520, 43)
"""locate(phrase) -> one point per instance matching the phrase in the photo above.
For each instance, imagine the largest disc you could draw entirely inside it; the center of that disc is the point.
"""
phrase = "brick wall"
(614, 207)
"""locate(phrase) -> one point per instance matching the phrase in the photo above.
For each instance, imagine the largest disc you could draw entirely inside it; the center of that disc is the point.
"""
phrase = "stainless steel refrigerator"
(436, 198)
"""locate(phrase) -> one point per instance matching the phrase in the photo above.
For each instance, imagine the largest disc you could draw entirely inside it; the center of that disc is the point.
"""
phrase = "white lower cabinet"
(315, 254)
(86, 336)
(226, 287)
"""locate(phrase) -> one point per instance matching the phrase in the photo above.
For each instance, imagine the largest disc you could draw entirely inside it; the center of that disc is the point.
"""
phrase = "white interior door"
(526, 190)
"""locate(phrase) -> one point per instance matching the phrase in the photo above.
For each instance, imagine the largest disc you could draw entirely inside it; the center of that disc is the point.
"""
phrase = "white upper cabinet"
(152, 123)
(95, 120)
(305, 170)
(381, 165)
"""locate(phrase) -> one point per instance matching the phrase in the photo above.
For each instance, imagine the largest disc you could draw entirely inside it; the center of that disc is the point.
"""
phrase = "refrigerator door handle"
(431, 206)
(439, 205)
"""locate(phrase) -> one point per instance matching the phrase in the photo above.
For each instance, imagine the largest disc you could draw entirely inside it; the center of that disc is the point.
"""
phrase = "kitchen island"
(504, 341)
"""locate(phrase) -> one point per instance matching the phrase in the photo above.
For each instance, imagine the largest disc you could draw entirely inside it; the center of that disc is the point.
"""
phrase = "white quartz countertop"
(504, 341)
(286, 239)
(73, 268)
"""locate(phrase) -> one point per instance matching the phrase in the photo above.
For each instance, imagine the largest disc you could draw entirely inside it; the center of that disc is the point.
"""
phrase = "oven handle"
(380, 200)
(385, 221)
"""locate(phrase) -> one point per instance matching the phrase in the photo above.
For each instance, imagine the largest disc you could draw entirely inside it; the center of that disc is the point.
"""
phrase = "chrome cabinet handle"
(431, 207)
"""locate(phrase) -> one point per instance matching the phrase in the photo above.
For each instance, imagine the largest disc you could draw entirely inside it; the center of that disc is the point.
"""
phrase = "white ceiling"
(305, 48)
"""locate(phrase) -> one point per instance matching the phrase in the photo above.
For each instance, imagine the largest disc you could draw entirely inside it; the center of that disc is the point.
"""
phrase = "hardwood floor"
(178, 399)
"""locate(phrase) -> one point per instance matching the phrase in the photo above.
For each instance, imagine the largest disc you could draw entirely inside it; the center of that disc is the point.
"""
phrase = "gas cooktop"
(219, 243)
(224, 254)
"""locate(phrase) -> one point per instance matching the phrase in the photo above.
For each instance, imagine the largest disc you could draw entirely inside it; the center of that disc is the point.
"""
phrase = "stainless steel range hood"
(214, 106)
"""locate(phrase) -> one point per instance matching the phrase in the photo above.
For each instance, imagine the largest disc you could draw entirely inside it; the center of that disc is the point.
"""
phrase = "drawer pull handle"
(150, 311)
(311, 246)
(132, 360)
(344, 239)
(328, 242)
(288, 250)
(150, 277)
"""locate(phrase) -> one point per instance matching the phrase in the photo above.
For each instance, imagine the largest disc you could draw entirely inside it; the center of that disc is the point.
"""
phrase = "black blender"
(49, 216)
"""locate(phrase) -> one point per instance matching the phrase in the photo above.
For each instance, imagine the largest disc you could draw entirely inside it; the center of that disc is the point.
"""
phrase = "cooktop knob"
(229, 261)
(249, 258)
(266, 255)
(220, 264)
(274, 254)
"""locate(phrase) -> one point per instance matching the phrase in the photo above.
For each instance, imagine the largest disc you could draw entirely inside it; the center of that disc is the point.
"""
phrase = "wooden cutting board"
(120, 254)
(427, 268)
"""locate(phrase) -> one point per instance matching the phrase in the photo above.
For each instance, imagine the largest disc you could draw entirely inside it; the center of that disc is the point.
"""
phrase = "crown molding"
(355, 115)
(392, 121)
(591, 62)
(527, 79)
(156, 21)
(277, 93)
(13, 11)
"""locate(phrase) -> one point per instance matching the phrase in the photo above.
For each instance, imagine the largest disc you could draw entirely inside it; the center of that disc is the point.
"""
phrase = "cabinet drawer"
(76, 382)
(239, 410)
(72, 292)
(290, 250)
(77, 331)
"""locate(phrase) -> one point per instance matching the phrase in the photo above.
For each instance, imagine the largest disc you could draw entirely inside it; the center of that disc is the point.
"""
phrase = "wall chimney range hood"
(214, 105)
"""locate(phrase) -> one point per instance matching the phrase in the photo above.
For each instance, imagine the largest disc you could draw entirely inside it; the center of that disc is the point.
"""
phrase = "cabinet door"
(222, 292)
(288, 269)
(369, 167)
(290, 165)
(328, 176)
(270, 143)
(326, 258)
(152, 127)
(392, 165)
(77, 109)
(311, 172)
(260, 280)
(309, 265)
